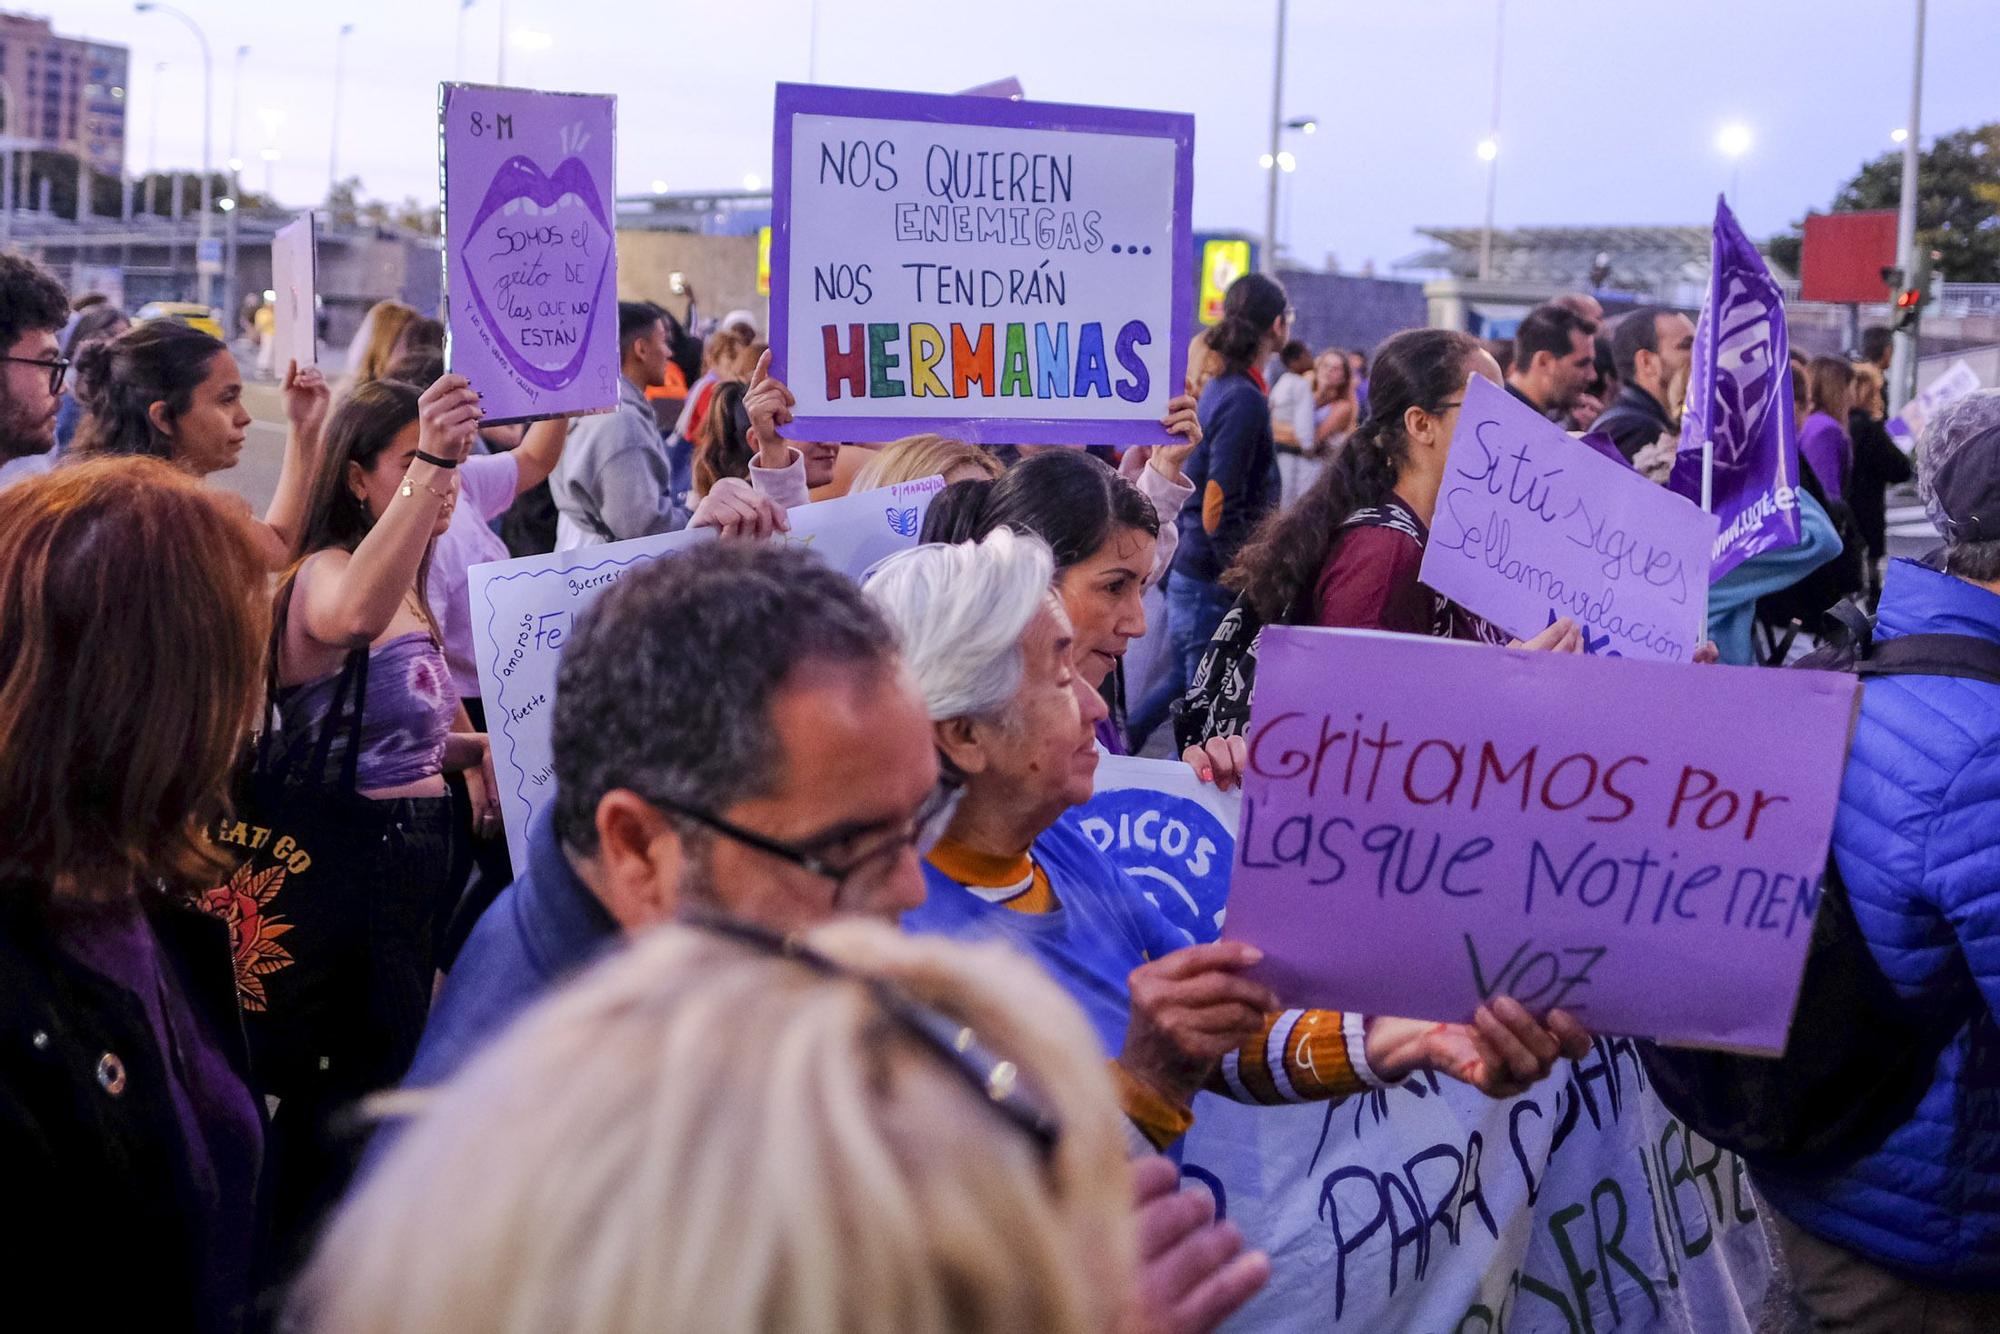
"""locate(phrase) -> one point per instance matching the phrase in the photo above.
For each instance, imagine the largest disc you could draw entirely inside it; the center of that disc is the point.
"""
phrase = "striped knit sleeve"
(1301, 1056)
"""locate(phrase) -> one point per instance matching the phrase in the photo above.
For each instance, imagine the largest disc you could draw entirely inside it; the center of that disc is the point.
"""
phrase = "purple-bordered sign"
(999, 271)
(530, 256)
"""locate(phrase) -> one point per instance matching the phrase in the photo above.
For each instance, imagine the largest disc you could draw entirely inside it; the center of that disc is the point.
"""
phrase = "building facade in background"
(64, 94)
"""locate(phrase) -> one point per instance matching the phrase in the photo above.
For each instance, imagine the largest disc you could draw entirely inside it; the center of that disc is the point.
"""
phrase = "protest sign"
(999, 271)
(1582, 1204)
(1639, 843)
(1532, 525)
(1940, 393)
(294, 279)
(1739, 406)
(530, 266)
(524, 611)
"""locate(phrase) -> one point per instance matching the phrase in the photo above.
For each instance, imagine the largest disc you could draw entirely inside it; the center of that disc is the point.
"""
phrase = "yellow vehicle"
(192, 314)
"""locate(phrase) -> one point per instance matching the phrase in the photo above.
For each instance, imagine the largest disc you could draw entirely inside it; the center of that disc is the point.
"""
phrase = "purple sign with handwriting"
(1740, 401)
(1428, 824)
(999, 271)
(530, 260)
(1532, 525)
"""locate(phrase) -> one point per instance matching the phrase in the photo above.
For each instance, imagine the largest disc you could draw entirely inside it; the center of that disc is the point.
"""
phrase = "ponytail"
(1278, 566)
(1252, 305)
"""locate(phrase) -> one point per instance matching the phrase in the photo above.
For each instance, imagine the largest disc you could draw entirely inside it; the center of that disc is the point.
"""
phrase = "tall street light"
(207, 227)
(1489, 147)
(458, 44)
(339, 72)
(1903, 353)
(1277, 129)
(235, 189)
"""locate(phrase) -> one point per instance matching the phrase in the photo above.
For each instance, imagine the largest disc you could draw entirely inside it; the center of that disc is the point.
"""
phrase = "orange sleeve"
(1160, 1121)
(1300, 1056)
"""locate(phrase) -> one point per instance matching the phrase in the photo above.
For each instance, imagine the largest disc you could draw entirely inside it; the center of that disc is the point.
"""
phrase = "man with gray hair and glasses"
(1908, 1236)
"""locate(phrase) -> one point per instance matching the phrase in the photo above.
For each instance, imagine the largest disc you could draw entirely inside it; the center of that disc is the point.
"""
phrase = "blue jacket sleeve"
(1962, 867)
(1732, 599)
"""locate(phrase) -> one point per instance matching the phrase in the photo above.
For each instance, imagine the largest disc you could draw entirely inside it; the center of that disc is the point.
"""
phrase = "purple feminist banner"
(998, 271)
(1532, 525)
(1739, 404)
(1639, 843)
(530, 264)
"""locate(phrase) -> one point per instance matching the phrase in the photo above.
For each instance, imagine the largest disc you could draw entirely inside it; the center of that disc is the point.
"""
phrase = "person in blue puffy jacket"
(1908, 1237)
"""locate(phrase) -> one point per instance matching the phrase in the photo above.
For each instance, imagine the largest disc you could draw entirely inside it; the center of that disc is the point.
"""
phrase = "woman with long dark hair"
(166, 391)
(1234, 471)
(1348, 554)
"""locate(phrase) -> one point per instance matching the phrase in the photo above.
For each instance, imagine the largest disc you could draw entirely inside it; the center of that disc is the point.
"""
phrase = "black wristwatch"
(435, 461)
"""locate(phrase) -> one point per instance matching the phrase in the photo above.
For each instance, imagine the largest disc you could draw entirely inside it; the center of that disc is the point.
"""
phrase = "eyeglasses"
(923, 831)
(997, 1082)
(1447, 406)
(58, 368)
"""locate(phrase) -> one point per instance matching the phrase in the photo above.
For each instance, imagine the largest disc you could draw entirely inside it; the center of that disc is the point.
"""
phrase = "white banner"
(1583, 1206)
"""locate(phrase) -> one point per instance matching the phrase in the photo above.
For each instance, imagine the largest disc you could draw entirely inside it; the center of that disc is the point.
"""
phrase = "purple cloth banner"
(530, 262)
(1739, 396)
(1428, 824)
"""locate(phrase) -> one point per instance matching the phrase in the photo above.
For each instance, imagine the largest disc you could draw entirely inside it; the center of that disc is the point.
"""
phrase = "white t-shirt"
(1292, 405)
(30, 465)
(487, 484)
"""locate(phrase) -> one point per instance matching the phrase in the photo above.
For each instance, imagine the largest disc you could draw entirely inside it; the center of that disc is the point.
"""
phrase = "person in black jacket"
(130, 1142)
(1878, 465)
(1650, 347)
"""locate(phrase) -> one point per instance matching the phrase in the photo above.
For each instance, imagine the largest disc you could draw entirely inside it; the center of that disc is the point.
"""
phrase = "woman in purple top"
(130, 1142)
(1823, 440)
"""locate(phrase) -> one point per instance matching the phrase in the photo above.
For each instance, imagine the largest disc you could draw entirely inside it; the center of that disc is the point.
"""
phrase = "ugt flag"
(1740, 404)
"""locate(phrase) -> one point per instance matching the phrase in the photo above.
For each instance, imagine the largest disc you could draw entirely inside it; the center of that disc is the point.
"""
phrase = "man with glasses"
(734, 733)
(33, 310)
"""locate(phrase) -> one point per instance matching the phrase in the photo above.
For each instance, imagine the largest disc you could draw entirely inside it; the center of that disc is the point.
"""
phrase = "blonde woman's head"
(919, 456)
(703, 1136)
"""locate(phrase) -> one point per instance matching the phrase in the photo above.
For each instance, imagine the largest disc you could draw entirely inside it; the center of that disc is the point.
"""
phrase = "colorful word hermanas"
(524, 611)
(1002, 271)
(1640, 843)
(529, 256)
(294, 279)
(1532, 526)
(1738, 428)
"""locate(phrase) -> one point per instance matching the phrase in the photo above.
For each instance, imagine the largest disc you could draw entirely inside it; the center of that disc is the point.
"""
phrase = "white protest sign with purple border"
(994, 270)
(530, 255)
(524, 612)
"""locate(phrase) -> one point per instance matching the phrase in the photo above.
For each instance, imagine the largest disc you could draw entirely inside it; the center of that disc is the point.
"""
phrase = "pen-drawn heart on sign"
(903, 521)
(536, 257)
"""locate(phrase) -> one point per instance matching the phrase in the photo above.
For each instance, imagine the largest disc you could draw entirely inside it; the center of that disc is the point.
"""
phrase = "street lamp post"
(206, 231)
(229, 296)
(1489, 147)
(1903, 347)
(153, 140)
(458, 44)
(1277, 129)
(339, 71)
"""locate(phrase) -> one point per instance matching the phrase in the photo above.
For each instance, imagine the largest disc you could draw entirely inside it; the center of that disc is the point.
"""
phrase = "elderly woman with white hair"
(992, 651)
(1909, 1235)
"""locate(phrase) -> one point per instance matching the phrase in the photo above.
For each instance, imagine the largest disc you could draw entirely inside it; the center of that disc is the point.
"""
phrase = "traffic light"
(1909, 305)
(1910, 300)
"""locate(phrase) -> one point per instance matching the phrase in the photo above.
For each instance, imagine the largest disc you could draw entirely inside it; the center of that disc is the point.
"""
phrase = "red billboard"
(1845, 254)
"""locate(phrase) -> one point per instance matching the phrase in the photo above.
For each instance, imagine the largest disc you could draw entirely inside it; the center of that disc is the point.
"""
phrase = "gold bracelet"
(410, 489)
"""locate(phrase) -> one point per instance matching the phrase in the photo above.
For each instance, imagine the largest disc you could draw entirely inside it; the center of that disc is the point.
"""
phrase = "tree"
(1958, 203)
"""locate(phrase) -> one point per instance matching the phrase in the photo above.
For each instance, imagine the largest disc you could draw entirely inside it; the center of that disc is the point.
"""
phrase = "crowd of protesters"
(813, 1006)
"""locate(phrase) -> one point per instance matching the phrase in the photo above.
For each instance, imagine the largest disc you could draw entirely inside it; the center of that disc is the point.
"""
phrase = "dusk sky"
(1610, 110)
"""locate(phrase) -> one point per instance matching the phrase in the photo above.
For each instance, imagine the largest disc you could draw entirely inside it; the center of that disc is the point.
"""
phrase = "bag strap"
(1965, 656)
(353, 682)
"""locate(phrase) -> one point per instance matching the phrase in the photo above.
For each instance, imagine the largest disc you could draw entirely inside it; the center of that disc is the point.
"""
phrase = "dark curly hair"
(29, 299)
(1419, 368)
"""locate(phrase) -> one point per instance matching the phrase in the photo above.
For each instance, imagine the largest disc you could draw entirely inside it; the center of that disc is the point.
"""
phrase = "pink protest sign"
(1428, 824)
(530, 263)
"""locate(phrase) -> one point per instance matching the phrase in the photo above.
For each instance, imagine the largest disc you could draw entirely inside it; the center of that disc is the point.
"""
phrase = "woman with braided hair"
(1348, 553)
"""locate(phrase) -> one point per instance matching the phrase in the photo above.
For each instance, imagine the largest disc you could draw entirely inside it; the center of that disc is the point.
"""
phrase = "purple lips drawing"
(539, 250)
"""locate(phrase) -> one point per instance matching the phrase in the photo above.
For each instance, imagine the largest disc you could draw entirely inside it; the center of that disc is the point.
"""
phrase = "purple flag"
(1739, 398)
